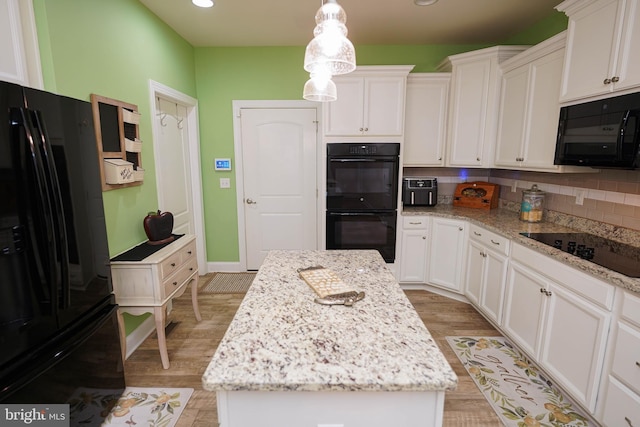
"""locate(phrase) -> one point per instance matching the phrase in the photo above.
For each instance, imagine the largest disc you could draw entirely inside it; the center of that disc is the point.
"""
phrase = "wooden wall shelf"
(118, 137)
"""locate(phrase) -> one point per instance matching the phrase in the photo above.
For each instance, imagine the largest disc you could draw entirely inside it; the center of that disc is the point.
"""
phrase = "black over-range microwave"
(603, 133)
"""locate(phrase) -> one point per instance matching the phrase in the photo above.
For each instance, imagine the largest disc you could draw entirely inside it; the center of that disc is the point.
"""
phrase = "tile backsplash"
(611, 196)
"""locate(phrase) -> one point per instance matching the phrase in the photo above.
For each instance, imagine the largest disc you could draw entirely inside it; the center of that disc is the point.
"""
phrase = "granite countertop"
(507, 223)
(281, 340)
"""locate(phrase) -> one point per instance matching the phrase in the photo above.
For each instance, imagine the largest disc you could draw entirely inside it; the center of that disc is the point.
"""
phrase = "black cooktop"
(616, 256)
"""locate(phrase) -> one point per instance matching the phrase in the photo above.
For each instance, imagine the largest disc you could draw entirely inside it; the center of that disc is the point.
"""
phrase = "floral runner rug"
(515, 388)
(142, 406)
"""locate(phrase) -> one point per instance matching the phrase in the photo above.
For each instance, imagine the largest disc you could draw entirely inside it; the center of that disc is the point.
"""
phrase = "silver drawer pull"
(175, 283)
(628, 421)
(477, 234)
(494, 242)
(188, 252)
(415, 223)
(173, 264)
(638, 364)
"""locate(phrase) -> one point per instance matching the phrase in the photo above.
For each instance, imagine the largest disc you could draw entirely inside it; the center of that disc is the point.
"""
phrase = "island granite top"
(281, 340)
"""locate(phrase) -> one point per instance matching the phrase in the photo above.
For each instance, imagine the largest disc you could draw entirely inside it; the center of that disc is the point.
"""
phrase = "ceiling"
(370, 22)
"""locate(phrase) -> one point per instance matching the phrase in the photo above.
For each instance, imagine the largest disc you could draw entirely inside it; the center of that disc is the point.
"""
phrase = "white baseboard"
(138, 335)
(225, 267)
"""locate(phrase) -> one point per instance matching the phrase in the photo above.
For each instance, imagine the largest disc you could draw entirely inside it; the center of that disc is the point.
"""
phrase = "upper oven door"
(362, 183)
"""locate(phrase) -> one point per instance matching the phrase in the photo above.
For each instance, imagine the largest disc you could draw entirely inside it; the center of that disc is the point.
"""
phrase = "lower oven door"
(363, 230)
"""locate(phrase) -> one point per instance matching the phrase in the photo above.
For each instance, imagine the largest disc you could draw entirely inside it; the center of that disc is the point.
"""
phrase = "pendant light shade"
(320, 89)
(330, 52)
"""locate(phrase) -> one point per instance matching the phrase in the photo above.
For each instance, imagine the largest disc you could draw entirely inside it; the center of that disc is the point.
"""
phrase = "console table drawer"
(170, 265)
(177, 280)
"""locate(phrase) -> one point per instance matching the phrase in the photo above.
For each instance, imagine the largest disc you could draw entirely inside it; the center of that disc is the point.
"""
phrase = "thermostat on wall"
(223, 164)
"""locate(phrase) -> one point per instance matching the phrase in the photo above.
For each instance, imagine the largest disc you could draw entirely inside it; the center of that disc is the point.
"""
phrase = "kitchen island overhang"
(286, 360)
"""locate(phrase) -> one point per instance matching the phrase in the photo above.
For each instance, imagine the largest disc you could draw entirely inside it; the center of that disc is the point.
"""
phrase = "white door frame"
(237, 138)
(159, 90)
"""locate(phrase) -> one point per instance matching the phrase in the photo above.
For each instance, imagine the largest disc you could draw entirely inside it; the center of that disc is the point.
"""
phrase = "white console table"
(147, 285)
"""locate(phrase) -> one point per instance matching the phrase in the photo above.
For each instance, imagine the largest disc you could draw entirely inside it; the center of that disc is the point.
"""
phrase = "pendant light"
(329, 53)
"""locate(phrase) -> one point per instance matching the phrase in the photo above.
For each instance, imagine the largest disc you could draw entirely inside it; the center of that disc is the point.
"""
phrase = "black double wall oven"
(362, 196)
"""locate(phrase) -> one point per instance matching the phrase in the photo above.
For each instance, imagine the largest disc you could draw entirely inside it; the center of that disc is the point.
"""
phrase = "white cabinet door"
(543, 110)
(425, 119)
(512, 122)
(601, 48)
(384, 106)
(344, 116)
(413, 262)
(470, 96)
(474, 272)
(494, 281)
(574, 327)
(523, 312)
(446, 253)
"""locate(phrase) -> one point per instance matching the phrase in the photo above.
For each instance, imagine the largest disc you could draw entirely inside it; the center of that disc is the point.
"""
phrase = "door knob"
(251, 202)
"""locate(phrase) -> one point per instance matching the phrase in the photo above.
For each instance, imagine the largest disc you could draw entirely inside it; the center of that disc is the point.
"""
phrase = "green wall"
(112, 48)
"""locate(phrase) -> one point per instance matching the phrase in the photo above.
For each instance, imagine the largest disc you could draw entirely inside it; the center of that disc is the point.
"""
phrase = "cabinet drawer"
(489, 239)
(174, 282)
(626, 359)
(414, 222)
(188, 252)
(631, 308)
(589, 287)
(170, 265)
(622, 407)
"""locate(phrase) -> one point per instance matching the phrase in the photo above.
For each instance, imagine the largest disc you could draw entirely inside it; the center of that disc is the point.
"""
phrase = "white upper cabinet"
(602, 47)
(20, 59)
(473, 105)
(370, 102)
(529, 107)
(425, 119)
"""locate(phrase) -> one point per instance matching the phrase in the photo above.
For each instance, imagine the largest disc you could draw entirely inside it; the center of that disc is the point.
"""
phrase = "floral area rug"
(517, 390)
(145, 407)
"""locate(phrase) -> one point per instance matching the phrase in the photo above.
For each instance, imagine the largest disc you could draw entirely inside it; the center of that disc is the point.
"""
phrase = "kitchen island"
(288, 361)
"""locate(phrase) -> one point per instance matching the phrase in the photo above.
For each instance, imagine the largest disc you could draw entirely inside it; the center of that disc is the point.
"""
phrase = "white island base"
(330, 409)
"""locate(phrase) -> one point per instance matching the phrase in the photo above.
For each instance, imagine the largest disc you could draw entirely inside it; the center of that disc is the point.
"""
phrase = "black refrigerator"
(59, 332)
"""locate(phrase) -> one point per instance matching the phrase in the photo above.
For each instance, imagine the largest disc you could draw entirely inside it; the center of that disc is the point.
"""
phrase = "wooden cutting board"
(477, 194)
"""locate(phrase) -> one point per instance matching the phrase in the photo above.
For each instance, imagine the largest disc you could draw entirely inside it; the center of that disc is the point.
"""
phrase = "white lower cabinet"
(446, 253)
(413, 249)
(487, 260)
(622, 395)
(561, 318)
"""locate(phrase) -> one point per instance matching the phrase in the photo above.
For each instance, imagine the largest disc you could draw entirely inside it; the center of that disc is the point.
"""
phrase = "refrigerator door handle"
(60, 236)
(43, 251)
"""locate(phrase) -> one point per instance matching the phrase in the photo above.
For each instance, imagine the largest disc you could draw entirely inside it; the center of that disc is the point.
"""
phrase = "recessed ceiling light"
(203, 3)
(425, 2)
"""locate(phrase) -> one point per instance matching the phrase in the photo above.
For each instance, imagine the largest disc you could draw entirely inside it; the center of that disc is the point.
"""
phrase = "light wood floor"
(191, 345)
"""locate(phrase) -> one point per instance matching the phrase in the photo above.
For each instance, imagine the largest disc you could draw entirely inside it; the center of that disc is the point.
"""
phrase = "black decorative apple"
(159, 226)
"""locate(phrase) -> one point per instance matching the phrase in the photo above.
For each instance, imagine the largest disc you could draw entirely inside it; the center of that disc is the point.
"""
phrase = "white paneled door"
(279, 177)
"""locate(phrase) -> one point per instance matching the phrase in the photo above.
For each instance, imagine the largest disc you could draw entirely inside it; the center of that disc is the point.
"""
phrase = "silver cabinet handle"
(477, 234)
(478, 159)
(628, 421)
(495, 243)
(607, 81)
(415, 223)
(460, 228)
(251, 202)
(425, 238)
(615, 79)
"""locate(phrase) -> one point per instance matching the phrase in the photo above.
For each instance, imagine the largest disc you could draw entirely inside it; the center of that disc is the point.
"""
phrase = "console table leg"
(194, 298)
(160, 317)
